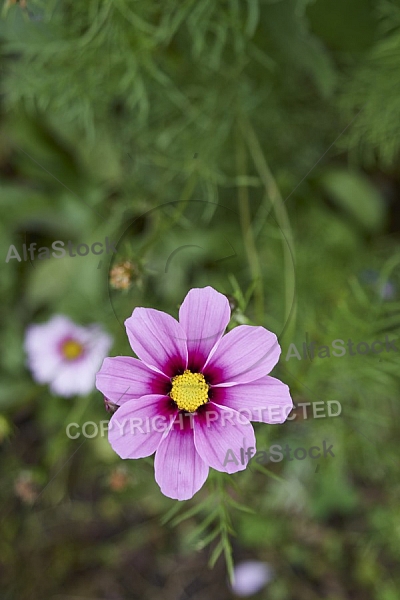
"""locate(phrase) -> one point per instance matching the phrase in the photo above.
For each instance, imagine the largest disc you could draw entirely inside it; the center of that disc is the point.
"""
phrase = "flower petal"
(179, 470)
(137, 427)
(45, 367)
(122, 378)
(219, 434)
(41, 344)
(158, 340)
(267, 399)
(204, 315)
(244, 354)
(73, 379)
(40, 336)
(250, 577)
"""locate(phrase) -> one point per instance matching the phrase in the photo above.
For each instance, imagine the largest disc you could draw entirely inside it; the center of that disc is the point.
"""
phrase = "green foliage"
(370, 91)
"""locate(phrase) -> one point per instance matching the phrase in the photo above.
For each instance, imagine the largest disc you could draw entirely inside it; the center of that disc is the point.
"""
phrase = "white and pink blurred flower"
(190, 372)
(66, 355)
(250, 576)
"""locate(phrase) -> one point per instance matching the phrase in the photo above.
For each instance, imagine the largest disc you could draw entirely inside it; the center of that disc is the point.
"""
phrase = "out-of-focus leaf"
(357, 196)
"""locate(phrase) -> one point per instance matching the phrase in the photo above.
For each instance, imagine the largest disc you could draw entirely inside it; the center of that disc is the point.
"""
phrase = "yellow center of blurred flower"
(189, 391)
(72, 349)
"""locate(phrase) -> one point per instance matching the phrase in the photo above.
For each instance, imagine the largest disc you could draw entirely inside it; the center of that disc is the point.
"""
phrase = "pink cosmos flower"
(190, 374)
(65, 355)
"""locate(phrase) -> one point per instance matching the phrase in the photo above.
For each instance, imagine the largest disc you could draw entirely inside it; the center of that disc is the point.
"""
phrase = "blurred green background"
(248, 145)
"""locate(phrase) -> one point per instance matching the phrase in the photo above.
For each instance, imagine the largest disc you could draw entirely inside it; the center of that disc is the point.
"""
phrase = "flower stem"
(247, 230)
(280, 211)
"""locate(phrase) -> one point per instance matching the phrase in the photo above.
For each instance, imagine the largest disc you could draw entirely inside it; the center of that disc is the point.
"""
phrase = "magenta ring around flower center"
(65, 340)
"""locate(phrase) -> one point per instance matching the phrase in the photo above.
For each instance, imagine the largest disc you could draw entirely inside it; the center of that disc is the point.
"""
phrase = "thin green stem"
(280, 212)
(247, 229)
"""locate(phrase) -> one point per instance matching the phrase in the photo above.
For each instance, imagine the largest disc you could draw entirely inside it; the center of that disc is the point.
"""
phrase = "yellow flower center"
(72, 349)
(189, 391)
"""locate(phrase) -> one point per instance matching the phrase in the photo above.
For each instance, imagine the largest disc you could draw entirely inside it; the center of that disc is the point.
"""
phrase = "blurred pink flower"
(66, 355)
(190, 373)
(250, 577)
